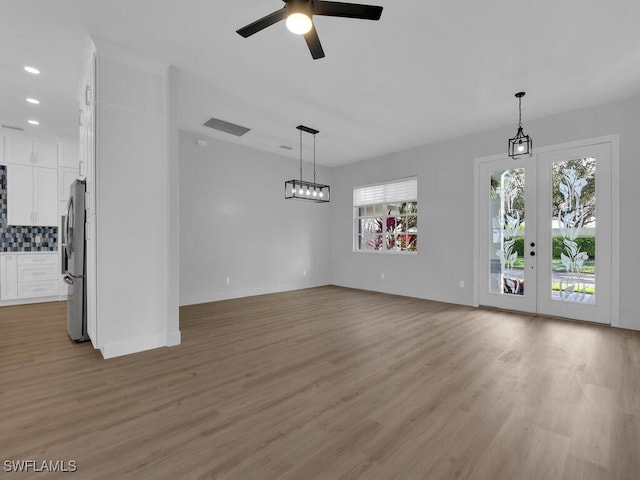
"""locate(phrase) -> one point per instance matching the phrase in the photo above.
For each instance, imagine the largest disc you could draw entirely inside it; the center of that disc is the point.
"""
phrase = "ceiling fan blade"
(313, 42)
(263, 23)
(349, 10)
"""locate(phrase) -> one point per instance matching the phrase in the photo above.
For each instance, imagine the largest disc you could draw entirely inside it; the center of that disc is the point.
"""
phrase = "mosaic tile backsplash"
(22, 239)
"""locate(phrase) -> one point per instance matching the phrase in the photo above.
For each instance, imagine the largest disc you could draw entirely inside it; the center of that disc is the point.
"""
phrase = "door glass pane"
(506, 245)
(574, 231)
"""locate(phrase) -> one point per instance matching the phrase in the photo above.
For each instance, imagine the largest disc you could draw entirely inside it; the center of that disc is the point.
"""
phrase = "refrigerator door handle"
(68, 279)
(63, 245)
(63, 227)
(69, 220)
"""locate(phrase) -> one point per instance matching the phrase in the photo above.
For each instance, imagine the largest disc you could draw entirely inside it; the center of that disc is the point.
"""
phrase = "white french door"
(545, 233)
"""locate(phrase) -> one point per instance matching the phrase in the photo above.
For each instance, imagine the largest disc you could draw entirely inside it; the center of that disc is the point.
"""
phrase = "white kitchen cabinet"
(20, 195)
(66, 176)
(47, 288)
(69, 155)
(22, 151)
(45, 181)
(45, 155)
(36, 259)
(26, 275)
(37, 275)
(18, 151)
(32, 196)
(8, 277)
(30, 273)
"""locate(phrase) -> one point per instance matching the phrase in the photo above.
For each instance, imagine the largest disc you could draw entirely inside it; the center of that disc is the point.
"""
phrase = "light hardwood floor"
(327, 383)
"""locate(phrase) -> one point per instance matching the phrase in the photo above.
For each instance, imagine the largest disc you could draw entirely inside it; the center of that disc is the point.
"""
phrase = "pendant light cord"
(300, 155)
(519, 111)
(314, 158)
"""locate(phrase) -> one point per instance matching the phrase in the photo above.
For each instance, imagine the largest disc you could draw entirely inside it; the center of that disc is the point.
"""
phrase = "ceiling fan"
(299, 13)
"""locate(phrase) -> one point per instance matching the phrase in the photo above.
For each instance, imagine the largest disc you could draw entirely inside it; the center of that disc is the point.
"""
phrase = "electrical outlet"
(382, 276)
(304, 273)
(228, 280)
(461, 283)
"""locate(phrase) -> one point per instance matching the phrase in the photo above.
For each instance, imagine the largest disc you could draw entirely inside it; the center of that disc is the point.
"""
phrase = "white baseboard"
(173, 338)
(217, 296)
(26, 301)
(405, 292)
(134, 345)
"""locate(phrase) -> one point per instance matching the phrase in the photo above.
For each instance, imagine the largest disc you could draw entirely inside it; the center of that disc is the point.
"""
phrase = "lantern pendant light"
(521, 145)
(301, 189)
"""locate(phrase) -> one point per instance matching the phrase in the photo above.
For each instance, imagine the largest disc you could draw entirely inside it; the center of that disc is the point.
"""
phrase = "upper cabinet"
(38, 177)
(68, 171)
(21, 151)
(32, 181)
(32, 196)
(20, 194)
(68, 155)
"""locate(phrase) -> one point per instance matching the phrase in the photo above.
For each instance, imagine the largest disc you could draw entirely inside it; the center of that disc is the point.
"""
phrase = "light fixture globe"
(299, 23)
(521, 145)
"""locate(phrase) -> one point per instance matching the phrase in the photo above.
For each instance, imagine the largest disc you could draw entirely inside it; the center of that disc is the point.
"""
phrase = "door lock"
(533, 254)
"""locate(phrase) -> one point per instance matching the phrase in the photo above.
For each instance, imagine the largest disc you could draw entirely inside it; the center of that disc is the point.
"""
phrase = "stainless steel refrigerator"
(74, 264)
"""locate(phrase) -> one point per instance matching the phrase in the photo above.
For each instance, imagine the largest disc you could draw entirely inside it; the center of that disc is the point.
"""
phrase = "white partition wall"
(132, 204)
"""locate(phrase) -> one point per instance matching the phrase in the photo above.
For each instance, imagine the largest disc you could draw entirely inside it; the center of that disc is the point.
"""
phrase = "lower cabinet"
(8, 277)
(28, 275)
(43, 288)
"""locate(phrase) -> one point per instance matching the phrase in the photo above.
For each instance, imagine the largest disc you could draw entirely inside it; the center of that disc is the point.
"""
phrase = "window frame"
(381, 212)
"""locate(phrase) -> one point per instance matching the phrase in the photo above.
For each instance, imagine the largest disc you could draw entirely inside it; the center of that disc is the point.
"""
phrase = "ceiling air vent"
(226, 127)
(11, 127)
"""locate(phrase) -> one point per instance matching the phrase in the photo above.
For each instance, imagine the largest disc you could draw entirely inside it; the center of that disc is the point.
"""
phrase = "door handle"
(68, 279)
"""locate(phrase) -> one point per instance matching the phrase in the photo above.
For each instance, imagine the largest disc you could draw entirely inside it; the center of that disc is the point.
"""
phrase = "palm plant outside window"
(386, 217)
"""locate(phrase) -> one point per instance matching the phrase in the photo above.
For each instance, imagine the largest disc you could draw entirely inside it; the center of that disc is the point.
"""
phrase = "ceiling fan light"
(299, 23)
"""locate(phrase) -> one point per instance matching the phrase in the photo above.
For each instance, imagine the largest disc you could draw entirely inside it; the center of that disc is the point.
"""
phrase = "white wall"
(235, 222)
(446, 200)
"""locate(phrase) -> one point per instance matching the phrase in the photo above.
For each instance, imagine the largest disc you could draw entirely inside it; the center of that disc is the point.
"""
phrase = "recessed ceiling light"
(34, 122)
(32, 70)
(35, 101)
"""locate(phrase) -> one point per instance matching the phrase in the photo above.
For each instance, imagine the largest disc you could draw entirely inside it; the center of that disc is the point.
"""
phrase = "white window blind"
(395, 191)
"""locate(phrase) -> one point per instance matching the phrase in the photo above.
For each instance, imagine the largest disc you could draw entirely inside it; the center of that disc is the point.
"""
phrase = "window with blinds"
(386, 216)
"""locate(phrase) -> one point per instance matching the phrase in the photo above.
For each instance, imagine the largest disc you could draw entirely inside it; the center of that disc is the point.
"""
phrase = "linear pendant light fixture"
(521, 145)
(301, 189)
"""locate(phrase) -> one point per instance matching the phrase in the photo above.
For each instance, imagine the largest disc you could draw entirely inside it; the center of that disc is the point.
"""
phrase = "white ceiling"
(427, 71)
